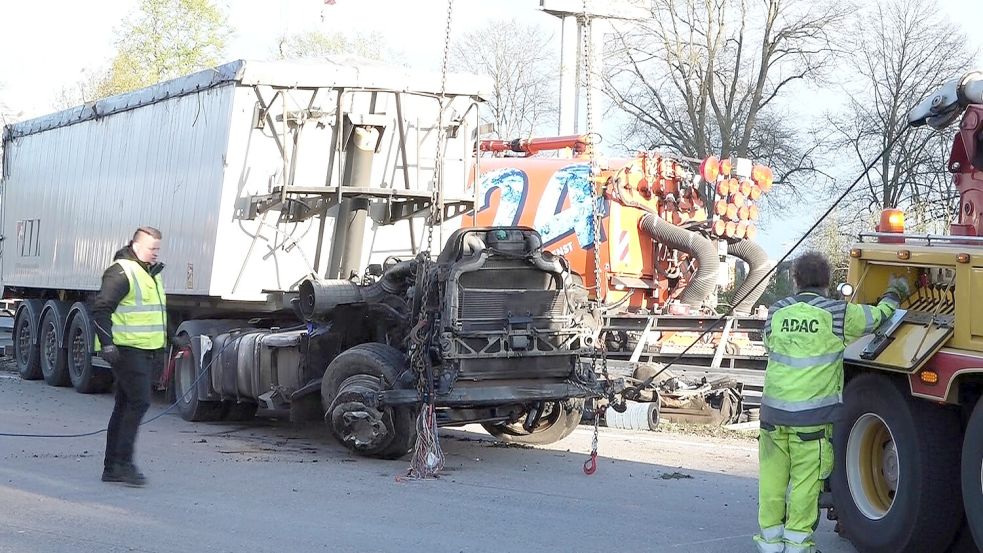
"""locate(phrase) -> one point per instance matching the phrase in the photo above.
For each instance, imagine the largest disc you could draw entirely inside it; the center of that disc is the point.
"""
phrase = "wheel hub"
(50, 347)
(23, 342)
(359, 426)
(78, 354)
(873, 466)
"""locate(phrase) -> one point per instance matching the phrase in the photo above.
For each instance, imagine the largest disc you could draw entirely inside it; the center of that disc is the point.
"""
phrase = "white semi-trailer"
(294, 199)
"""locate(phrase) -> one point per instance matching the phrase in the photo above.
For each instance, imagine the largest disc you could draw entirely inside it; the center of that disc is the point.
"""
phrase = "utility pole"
(572, 14)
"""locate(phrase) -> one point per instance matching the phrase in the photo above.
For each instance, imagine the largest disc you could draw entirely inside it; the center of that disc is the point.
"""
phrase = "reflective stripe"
(869, 316)
(805, 405)
(806, 362)
(775, 533)
(822, 415)
(137, 292)
(890, 301)
(765, 547)
(795, 537)
(139, 308)
(138, 328)
(798, 548)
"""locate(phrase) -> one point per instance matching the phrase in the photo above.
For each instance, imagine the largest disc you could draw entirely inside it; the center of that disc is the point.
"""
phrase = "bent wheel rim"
(872, 466)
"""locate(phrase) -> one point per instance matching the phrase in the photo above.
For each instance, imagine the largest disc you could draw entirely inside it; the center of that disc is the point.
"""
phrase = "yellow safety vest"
(140, 320)
(806, 336)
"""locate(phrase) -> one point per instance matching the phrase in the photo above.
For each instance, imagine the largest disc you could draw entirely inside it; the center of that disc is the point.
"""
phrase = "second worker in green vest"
(806, 335)
(130, 314)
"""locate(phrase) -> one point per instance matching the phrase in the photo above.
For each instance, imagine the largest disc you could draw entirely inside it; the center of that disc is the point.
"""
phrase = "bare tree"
(709, 77)
(315, 44)
(523, 66)
(85, 89)
(902, 50)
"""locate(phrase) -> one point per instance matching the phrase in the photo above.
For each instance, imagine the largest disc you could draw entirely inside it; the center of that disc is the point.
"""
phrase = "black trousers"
(133, 376)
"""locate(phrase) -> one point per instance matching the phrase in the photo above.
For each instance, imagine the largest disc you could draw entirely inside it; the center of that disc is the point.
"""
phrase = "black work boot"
(125, 474)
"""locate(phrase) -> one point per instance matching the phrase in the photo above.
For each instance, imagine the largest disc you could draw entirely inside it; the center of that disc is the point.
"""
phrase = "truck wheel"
(189, 404)
(972, 473)
(86, 378)
(25, 338)
(559, 420)
(895, 478)
(373, 431)
(54, 358)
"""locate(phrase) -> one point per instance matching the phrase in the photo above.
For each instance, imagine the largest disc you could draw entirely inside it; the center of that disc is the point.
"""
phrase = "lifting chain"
(597, 196)
(428, 459)
(438, 170)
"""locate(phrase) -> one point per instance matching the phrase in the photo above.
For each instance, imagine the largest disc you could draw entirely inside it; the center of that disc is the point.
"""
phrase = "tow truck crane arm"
(945, 106)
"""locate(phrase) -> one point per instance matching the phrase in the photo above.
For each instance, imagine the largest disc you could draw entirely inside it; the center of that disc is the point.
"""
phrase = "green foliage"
(165, 39)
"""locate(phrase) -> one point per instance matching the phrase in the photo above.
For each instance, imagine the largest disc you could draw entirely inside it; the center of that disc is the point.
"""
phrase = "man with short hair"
(806, 335)
(130, 314)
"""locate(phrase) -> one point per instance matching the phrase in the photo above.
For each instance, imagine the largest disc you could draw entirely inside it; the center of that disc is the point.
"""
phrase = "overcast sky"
(52, 43)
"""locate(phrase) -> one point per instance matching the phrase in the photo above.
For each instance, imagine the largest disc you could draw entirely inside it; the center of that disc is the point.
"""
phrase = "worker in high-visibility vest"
(806, 335)
(130, 314)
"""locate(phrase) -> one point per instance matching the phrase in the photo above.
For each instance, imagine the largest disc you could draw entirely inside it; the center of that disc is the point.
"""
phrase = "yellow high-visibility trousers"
(794, 461)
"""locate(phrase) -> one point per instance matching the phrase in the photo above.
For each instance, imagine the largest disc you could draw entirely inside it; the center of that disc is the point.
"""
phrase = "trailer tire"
(189, 404)
(558, 423)
(80, 345)
(27, 354)
(894, 481)
(54, 357)
(972, 473)
(358, 370)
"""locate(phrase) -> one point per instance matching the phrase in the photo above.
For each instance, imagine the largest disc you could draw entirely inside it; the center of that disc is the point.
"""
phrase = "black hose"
(755, 283)
(701, 248)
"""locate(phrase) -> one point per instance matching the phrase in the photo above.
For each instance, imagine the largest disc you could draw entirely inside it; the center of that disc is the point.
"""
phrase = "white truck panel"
(185, 156)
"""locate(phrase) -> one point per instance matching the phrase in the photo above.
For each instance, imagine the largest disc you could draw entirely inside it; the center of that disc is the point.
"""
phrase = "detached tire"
(27, 354)
(895, 484)
(972, 473)
(382, 433)
(54, 357)
(559, 420)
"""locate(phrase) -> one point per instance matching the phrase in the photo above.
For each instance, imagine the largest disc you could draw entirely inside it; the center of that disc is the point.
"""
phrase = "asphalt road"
(272, 486)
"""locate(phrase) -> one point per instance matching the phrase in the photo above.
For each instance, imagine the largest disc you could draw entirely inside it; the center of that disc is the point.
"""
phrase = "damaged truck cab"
(490, 333)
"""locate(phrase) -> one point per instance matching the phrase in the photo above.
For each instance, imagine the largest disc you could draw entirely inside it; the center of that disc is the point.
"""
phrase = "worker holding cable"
(130, 314)
(806, 335)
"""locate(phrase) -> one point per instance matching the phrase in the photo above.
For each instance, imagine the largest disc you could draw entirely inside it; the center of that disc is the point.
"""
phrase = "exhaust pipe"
(758, 266)
(318, 297)
(695, 244)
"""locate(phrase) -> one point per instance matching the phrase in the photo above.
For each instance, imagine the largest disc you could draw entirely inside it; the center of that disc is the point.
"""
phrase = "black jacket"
(114, 288)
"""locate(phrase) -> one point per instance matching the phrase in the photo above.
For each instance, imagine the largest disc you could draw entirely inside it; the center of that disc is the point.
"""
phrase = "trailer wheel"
(189, 404)
(558, 420)
(25, 338)
(972, 473)
(86, 378)
(366, 429)
(54, 357)
(895, 481)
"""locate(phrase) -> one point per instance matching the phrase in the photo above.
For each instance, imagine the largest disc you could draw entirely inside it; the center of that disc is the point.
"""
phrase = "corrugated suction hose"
(701, 248)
